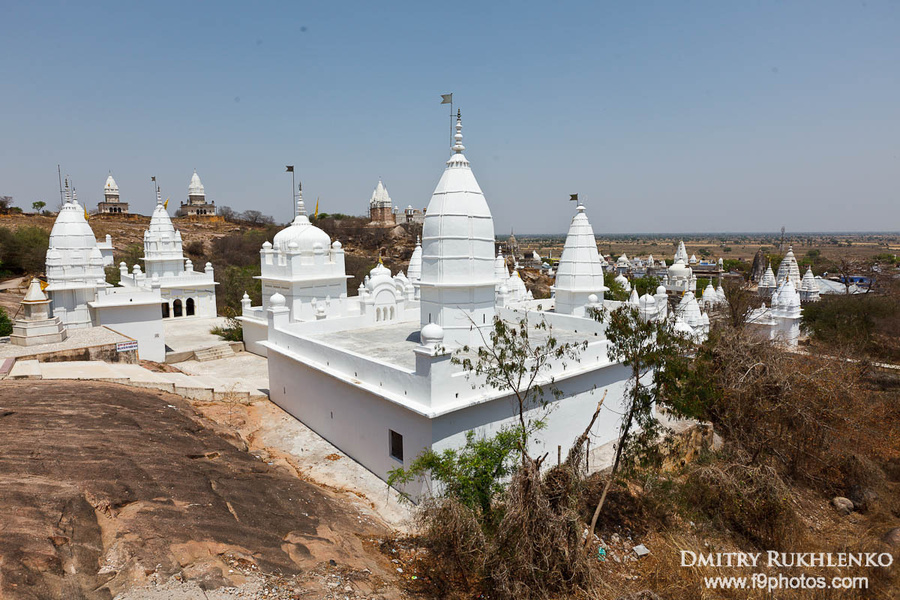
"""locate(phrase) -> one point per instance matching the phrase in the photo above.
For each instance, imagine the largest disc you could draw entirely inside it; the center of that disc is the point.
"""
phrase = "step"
(213, 353)
(140, 377)
(190, 387)
(81, 369)
(25, 369)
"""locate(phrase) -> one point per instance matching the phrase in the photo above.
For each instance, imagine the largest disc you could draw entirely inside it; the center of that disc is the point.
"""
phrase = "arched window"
(392, 313)
(189, 307)
(176, 308)
(165, 310)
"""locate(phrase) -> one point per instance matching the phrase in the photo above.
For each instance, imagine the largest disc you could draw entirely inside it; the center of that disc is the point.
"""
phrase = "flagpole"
(293, 193)
(451, 120)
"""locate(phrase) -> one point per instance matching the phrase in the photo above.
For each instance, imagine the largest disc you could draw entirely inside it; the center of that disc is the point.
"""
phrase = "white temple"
(781, 320)
(79, 295)
(184, 292)
(789, 269)
(373, 373)
(111, 203)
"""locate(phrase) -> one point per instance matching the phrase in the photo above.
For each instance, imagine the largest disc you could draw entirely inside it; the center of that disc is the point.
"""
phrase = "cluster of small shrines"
(372, 373)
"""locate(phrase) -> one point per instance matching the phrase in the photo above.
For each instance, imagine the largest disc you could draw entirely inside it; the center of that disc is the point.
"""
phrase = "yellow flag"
(85, 213)
(166, 204)
(316, 216)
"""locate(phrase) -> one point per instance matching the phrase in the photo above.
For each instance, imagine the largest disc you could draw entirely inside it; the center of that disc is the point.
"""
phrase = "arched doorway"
(176, 308)
(165, 310)
(189, 307)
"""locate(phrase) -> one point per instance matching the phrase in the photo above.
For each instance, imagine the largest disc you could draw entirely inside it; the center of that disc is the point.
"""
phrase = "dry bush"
(805, 415)
(456, 544)
(535, 550)
(539, 551)
(752, 501)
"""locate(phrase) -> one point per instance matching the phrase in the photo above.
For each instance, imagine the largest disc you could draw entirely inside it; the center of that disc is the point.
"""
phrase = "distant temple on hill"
(111, 203)
(196, 204)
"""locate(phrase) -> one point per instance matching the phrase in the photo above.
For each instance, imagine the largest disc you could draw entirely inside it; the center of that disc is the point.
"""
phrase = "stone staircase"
(213, 352)
(195, 387)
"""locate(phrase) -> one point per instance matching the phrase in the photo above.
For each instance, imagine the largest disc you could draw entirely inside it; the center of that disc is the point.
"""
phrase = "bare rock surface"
(106, 489)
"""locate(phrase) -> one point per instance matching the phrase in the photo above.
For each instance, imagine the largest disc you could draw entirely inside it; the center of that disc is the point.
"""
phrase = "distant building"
(414, 215)
(196, 204)
(381, 212)
(111, 203)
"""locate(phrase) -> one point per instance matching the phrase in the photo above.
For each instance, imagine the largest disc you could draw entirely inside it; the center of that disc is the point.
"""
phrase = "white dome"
(377, 276)
(682, 327)
(431, 334)
(679, 270)
(380, 197)
(648, 302)
(196, 188)
(71, 229)
(276, 300)
(709, 294)
(111, 187)
(661, 289)
(302, 233)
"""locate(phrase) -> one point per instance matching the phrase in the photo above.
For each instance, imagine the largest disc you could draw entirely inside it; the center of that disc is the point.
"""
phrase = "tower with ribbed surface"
(458, 281)
(580, 273)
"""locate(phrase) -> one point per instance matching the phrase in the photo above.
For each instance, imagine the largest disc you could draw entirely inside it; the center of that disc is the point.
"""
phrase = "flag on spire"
(316, 216)
(290, 168)
(446, 98)
(166, 204)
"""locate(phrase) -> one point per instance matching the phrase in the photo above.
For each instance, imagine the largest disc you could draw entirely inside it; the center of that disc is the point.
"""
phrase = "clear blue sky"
(665, 116)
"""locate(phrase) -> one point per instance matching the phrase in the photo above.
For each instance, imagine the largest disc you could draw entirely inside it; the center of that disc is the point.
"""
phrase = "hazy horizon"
(700, 117)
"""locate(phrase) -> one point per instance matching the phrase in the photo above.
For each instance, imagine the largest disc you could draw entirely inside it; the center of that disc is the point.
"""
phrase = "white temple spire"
(458, 147)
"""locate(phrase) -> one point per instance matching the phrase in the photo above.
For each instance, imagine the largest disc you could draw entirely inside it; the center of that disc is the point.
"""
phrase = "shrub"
(6, 327)
(751, 500)
(232, 331)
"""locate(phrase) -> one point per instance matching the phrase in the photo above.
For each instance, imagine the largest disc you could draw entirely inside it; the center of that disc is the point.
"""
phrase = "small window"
(396, 445)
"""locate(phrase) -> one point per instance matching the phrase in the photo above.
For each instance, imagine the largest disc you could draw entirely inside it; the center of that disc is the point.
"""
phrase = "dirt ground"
(111, 491)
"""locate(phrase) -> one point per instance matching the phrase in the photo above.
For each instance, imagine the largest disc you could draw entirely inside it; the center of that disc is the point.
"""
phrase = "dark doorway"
(189, 307)
(165, 310)
(176, 308)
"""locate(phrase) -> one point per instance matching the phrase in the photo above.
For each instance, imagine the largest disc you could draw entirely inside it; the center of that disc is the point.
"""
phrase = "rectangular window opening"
(396, 445)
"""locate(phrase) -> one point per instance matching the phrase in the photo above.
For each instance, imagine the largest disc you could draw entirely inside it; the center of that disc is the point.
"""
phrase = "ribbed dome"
(196, 188)
(71, 229)
(302, 233)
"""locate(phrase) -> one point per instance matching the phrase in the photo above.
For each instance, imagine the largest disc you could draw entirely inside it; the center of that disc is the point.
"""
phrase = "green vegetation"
(645, 285)
(859, 324)
(232, 331)
(616, 291)
(6, 327)
(23, 251)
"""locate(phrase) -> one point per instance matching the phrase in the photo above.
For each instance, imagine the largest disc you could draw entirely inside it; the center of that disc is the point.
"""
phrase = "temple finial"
(458, 147)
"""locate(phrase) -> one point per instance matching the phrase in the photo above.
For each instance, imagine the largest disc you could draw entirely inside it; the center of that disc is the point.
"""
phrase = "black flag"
(290, 169)
(573, 198)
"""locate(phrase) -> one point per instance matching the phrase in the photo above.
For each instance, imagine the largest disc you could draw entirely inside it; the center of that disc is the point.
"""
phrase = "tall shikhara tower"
(458, 281)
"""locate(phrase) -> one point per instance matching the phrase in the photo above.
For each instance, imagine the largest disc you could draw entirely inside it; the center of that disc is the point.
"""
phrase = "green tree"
(654, 353)
(616, 290)
(38, 206)
(645, 285)
(473, 474)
